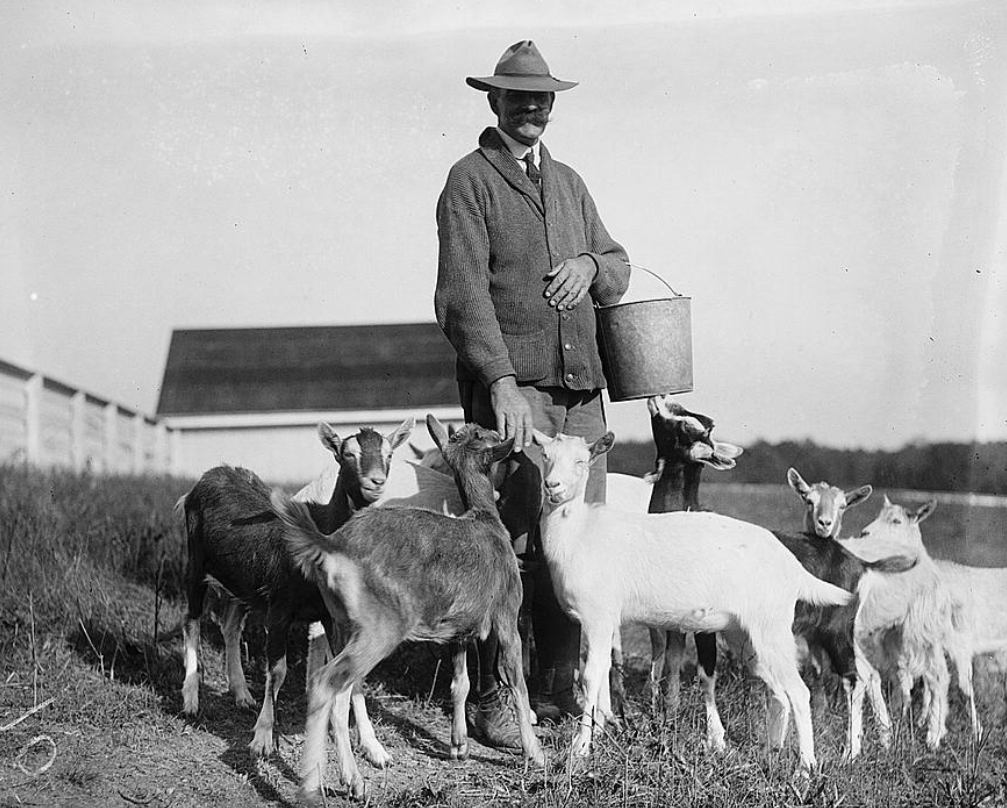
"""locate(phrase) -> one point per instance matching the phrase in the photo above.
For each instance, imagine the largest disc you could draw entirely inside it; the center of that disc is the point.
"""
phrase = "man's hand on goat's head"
(570, 281)
(512, 412)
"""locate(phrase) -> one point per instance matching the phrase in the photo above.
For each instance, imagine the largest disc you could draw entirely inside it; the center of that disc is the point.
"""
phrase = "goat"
(234, 538)
(684, 448)
(910, 622)
(693, 571)
(825, 504)
(396, 574)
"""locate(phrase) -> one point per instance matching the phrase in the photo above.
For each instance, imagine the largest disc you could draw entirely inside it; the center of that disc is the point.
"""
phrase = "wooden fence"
(48, 423)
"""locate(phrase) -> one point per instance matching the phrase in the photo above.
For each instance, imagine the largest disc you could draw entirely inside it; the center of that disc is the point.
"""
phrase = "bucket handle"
(651, 272)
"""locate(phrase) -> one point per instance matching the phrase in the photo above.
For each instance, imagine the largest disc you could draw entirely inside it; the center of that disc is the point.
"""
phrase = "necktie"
(533, 173)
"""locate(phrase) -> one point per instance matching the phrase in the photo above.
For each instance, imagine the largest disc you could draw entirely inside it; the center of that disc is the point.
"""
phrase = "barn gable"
(320, 369)
(254, 396)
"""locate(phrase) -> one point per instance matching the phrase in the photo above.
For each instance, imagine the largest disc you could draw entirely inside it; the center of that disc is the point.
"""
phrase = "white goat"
(945, 607)
(395, 574)
(692, 571)
(825, 504)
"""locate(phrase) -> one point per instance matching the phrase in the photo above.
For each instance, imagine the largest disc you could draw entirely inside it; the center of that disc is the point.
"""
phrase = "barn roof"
(319, 368)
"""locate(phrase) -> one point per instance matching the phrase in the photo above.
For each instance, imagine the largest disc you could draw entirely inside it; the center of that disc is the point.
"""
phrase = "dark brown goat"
(685, 447)
(235, 539)
(395, 574)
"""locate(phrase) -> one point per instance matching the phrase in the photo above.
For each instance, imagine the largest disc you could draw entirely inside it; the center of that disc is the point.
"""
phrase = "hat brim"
(528, 84)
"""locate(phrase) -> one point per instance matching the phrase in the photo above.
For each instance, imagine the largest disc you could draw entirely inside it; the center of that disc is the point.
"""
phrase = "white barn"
(254, 396)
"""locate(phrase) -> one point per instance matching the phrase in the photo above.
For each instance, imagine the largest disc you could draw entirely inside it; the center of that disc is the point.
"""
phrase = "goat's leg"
(777, 663)
(233, 625)
(511, 671)
(460, 687)
(599, 640)
(196, 592)
(936, 676)
(277, 627)
(318, 652)
(658, 646)
(707, 671)
(616, 678)
(190, 686)
(667, 650)
(375, 753)
(962, 657)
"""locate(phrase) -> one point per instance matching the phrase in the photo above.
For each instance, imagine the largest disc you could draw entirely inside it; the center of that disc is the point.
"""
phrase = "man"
(522, 248)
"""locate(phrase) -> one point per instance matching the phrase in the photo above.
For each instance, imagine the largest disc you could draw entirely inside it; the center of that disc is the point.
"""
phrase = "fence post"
(111, 438)
(139, 432)
(78, 427)
(175, 463)
(33, 418)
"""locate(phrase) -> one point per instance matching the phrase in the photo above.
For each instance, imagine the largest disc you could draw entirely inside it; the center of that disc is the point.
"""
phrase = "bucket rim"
(648, 300)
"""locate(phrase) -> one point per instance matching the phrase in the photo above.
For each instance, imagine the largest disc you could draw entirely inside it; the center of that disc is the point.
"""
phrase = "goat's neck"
(346, 500)
(677, 487)
(561, 525)
(476, 491)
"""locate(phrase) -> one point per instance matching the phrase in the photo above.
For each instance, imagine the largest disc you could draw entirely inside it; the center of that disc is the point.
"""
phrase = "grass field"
(90, 582)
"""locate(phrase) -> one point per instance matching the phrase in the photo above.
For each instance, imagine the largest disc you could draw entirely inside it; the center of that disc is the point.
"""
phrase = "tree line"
(976, 467)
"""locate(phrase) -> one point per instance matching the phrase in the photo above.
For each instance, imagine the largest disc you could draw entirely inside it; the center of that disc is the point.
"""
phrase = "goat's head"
(470, 449)
(567, 463)
(895, 531)
(364, 458)
(825, 503)
(682, 436)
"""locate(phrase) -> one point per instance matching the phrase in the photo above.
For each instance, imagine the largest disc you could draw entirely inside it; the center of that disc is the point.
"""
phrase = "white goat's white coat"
(938, 606)
(694, 571)
(905, 622)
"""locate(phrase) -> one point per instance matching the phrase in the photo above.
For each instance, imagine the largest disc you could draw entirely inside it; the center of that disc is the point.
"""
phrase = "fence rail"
(48, 423)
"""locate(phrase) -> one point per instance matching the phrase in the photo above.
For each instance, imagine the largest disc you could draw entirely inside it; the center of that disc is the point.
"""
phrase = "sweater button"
(568, 347)
(569, 377)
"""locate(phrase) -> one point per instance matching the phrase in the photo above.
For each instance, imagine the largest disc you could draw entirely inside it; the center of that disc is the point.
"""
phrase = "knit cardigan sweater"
(498, 238)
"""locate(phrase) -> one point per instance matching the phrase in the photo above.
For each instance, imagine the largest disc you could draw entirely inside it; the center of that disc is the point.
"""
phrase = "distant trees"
(976, 467)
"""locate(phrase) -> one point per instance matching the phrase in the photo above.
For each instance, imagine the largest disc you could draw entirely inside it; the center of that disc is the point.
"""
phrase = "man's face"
(522, 115)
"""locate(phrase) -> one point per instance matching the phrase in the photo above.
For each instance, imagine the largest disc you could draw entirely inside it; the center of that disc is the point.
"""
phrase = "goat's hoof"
(358, 790)
(378, 757)
(581, 747)
(262, 744)
(244, 699)
(312, 797)
(460, 752)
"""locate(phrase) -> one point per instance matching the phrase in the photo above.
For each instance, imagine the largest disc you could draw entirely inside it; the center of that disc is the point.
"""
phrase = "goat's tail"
(892, 564)
(307, 545)
(821, 593)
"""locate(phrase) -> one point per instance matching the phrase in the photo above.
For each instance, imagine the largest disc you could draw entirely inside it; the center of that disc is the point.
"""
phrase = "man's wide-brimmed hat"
(521, 68)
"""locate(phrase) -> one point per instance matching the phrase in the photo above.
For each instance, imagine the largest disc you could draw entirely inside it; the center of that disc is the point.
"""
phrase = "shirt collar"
(517, 149)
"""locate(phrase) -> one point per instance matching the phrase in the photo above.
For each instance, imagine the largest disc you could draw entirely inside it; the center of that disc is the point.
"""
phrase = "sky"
(825, 180)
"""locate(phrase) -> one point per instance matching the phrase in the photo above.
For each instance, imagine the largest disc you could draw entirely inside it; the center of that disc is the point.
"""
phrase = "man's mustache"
(539, 117)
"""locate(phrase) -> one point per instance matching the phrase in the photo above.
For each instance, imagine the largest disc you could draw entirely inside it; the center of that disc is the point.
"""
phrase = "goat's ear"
(502, 450)
(925, 510)
(437, 432)
(858, 495)
(602, 445)
(399, 435)
(724, 454)
(796, 481)
(330, 440)
(417, 452)
(540, 438)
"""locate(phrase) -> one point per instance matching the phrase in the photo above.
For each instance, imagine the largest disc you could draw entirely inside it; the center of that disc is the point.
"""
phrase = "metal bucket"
(646, 345)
